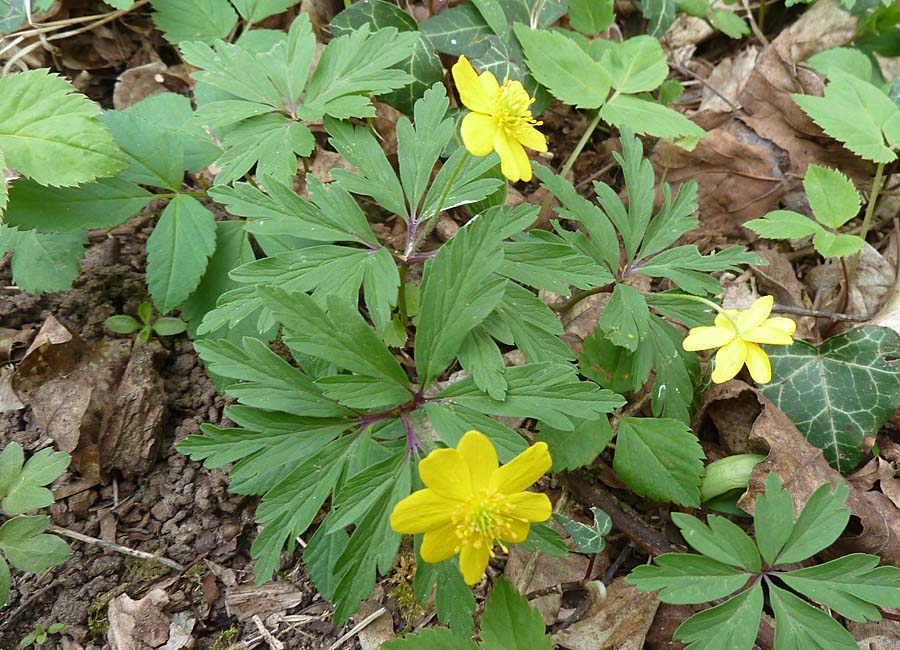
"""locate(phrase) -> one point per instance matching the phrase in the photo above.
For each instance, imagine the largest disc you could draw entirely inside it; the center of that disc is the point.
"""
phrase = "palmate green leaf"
(626, 317)
(481, 356)
(319, 557)
(784, 224)
(578, 447)
(687, 268)
(106, 203)
(547, 392)
(672, 395)
(451, 421)
(51, 134)
(22, 487)
(840, 392)
(732, 625)
(4, 186)
(773, 519)
(591, 16)
(510, 623)
(546, 261)
(631, 222)
(156, 159)
(178, 251)
(194, 20)
(676, 217)
(800, 626)
(289, 508)
(719, 539)
(255, 10)
(683, 578)
(27, 548)
(821, 522)
(648, 118)
(270, 142)
(636, 65)
(832, 196)
(453, 600)
(567, 71)
(853, 585)
(615, 367)
(659, 458)
(267, 380)
(43, 261)
(456, 295)
(588, 539)
(857, 114)
(431, 638)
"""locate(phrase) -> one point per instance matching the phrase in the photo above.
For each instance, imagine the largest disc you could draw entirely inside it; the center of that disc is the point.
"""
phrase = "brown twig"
(799, 311)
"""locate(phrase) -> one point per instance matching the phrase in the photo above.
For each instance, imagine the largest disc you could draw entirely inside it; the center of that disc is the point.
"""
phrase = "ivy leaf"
(832, 196)
(857, 114)
(546, 540)
(43, 261)
(432, 638)
(458, 30)
(660, 14)
(732, 625)
(194, 20)
(578, 447)
(659, 458)
(51, 134)
(567, 71)
(27, 548)
(649, 118)
(22, 488)
(588, 539)
(683, 578)
(178, 251)
(800, 626)
(591, 16)
(840, 392)
(509, 622)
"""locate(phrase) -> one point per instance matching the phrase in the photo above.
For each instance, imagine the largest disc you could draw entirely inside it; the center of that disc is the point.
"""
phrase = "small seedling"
(162, 326)
(39, 636)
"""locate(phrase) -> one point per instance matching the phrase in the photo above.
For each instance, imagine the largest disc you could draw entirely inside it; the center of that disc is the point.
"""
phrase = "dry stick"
(799, 311)
(753, 26)
(690, 73)
(124, 550)
(359, 627)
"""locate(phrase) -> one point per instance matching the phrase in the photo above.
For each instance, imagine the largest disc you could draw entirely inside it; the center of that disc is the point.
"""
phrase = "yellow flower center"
(482, 520)
(512, 108)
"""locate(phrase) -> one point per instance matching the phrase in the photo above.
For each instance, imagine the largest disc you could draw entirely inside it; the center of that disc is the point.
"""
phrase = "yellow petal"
(473, 561)
(727, 320)
(729, 361)
(439, 545)
(530, 505)
(422, 511)
(517, 531)
(445, 471)
(478, 132)
(523, 470)
(471, 90)
(758, 364)
(490, 86)
(514, 161)
(757, 314)
(769, 335)
(707, 338)
(531, 138)
(481, 457)
(517, 95)
(786, 325)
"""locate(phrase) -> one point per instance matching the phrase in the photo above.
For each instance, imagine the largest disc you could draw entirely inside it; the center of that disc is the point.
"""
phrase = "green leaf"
(26, 492)
(659, 458)
(829, 244)
(458, 30)
(11, 460)
(26, 548)
(544, 539)
(614, 367)
(106, 203)
(660, 14)
(320, 556)
(853, 585)
(591, 16)
(832, 196)
(840, 392)
(843, 59)
(855, 113)
(425, 70)
(690, 271)
(450, 422)
(719, 539)
(773, 519)
(122, 324)
(13, 12)
(178, 251)
(672, 395)
(820, 523)
(669, 91)
(578, 447)
(453, 599)
(378, 14)
(626, 317)
(729, 23)
(5, 582)
(50, 134)
(44, 261)
(156, 158)
(567, 71)
(800, 626)
(169, 326)
(431, 638)
(194, 20)
(456, 295)
(480, 355)
(510, 623)
(544, 261)
(683, 578)
(588, 539)
(270, 142)
(784, 224)
(256, 10)
(732, 625)
(636, 65)
(547, 392)
(648, 118)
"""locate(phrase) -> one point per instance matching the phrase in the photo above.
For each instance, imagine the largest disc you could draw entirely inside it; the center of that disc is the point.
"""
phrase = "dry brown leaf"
(138, 624)
(247, 601)
(147, 80)
(873, 280)
(779, 279)
(728, 79)
(733, 408)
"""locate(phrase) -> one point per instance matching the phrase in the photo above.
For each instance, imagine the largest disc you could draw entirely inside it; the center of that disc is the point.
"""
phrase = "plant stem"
(761, 16)
(867, 219)
(401, 298)
(578, 297)
(414, 235)
(570, 161)
(708, 303)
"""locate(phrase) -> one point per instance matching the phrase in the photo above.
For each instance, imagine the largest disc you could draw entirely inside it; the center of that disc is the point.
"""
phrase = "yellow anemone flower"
(500, 120)
(738, 334)
(470, 502)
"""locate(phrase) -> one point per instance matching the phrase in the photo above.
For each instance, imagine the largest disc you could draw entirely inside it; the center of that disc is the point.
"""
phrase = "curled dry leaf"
(138, 624)
(873, 281)
(147, 80)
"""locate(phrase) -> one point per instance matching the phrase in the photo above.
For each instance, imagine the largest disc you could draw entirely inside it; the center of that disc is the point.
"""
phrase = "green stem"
(578, 297)
(401, 298)
(708, 303)
(761, 16)
(570, 161)
(417, 235)
(867, 220)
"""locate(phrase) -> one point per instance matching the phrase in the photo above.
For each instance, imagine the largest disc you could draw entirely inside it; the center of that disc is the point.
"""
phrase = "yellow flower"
(470, 502)
(500, 120)
(738, 335)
